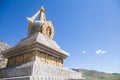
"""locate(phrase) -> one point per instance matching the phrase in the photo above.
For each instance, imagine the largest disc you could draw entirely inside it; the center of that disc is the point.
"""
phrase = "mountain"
(96, 75)
(3, 46)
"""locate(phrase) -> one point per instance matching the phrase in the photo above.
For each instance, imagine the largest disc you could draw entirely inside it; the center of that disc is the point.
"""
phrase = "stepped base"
(39, 71)
(33, 78)
(37, 78)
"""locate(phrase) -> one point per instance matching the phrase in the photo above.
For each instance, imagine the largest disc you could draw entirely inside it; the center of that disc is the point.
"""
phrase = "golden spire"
(42, 9)
(41, 16)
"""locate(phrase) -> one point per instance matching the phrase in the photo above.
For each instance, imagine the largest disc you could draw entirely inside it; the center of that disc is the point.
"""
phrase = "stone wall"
(36, 70)
(47, 70)
(22, 70)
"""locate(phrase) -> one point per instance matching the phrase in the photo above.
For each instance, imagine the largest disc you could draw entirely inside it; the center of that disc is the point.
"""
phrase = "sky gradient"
(89, 30)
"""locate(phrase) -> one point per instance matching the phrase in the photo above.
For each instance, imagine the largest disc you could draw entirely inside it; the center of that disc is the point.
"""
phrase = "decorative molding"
(45, 26)
(32, 47)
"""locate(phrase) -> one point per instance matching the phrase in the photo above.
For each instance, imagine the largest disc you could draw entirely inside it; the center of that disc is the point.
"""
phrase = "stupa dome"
(38, 23)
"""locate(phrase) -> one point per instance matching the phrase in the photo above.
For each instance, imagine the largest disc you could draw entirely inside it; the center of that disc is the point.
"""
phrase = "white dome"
(39, 23)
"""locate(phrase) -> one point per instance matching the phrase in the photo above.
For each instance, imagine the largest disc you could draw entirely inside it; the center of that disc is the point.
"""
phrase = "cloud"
(101, 51)
(83, 51)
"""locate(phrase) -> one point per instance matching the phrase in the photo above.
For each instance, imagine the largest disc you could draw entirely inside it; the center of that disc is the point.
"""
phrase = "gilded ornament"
(48, 29)
(28, 57)
(42, 57)
(11, 61)
(19, 59)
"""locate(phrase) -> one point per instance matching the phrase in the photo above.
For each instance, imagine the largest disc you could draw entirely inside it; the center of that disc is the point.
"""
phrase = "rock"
(3, 61)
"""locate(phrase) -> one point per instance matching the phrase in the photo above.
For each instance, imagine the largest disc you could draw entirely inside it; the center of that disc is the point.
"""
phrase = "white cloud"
(101, 51)
(83, 51)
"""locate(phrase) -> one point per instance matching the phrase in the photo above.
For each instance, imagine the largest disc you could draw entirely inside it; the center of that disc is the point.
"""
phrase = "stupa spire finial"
(42, 9)
(41, 15)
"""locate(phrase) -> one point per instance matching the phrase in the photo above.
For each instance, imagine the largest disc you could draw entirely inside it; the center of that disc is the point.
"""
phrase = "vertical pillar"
(62, 62)
(35, 55)
(45, 58)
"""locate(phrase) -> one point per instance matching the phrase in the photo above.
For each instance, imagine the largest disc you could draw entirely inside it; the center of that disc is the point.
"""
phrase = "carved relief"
(11, 61)
(53, 60)
(60, 62)
(19, 59)
(28, 57)
(49, 59)
(45, 58)
(42, 57)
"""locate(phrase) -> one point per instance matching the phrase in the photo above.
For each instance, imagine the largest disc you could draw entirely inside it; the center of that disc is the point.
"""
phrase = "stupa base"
(39, 71)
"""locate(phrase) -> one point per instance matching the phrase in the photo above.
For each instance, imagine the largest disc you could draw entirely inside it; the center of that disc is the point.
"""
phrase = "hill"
(95, 75)
(3, 46)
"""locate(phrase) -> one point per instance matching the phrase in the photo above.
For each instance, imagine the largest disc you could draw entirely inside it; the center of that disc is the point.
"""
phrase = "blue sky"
(89, 30)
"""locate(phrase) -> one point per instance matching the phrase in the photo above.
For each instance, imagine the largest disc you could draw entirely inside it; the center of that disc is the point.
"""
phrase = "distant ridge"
(96, 75)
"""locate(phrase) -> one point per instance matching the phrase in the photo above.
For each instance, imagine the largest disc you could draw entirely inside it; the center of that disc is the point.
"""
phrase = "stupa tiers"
(37, 57)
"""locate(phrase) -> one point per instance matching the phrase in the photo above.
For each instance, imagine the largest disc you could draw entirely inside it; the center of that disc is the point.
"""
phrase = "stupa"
(38, 56)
